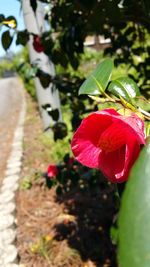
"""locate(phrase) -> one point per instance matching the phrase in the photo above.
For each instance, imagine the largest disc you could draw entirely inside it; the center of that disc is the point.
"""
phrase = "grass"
(41, 212)
(44, 149)
(45, 247)
(54, 150)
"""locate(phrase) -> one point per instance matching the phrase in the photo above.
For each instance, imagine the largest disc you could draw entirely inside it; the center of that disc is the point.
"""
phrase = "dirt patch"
(68, 231)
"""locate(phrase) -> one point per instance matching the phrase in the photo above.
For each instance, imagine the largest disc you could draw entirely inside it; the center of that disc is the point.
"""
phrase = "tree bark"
(34, 23)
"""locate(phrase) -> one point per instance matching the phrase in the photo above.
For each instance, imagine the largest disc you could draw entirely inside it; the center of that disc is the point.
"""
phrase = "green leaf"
(124, 87)
(29, 73)
(54, 114)
(59, 190)
(22, 37)
(45, 78)
(33, 4)
(59, 130)
(6, 39)
(1, 18)
(46, 106)
(49, 182)
(10, 22)
(134, 219)
(97, 82)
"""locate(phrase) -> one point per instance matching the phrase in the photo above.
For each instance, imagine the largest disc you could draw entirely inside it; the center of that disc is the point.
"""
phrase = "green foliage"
(6, 39)
(124, 87)
(2, 18)
(134, 226)
(131, 46)
(54, 150)
(64, 45)
(44, 78)
(98, 80)
(26, 183)
(24, 69)
(74, 20)
(33, 4)
(114, 235)
(59, 130)
(88, 59)
(128, 30)
(6, 65)
(54, 113)
(71, 175)
(22, 38)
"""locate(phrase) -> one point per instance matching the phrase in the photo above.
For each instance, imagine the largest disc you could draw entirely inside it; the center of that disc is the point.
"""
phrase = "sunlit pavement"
(10, 105)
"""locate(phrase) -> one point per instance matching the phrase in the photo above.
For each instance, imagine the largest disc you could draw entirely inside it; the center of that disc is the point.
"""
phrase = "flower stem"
(146, 114)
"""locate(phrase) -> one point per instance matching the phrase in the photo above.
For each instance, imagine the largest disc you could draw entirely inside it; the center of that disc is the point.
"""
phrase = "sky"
(7, 8)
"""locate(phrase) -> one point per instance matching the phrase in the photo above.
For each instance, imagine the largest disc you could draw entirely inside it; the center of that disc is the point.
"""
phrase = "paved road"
(10, 104)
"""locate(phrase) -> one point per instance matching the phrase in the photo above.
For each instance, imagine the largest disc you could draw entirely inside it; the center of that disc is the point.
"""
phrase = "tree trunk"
(34, 23)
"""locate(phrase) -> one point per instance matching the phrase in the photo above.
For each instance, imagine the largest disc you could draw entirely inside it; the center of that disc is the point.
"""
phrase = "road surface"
(11, 98)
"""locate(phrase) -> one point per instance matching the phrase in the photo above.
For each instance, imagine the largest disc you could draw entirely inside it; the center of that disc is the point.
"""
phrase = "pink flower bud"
(52, 170)
(37, 44)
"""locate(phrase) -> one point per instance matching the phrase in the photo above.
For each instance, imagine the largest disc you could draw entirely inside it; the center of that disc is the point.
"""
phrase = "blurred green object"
(134, 219)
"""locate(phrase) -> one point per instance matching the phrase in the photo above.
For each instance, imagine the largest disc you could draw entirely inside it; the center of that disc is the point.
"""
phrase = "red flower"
(52, 170)
(110, 142)
(37, 44)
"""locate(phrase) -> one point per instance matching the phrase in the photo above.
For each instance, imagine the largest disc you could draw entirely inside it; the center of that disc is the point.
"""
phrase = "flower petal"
(137, 126)
(85, 140)
(110, 142)
(132, 152)
(113, 137)
(112, 164)
(117, 164)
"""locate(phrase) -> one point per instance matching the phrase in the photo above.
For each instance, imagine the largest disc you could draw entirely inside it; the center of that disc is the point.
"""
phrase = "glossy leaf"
(124, 87)
(54, 114)
(49, 182)
(22, 37)
(45, 78)
(59, 130)
(6, 40)
(134, 219)
(33, 4)
(47, 107)
(97, 82)
(1, 18)
(10, 22)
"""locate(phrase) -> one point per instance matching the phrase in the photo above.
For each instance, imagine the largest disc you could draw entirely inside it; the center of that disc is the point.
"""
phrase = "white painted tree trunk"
(34, 23)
